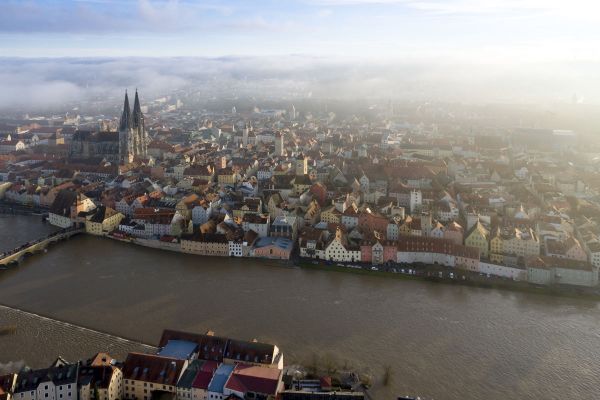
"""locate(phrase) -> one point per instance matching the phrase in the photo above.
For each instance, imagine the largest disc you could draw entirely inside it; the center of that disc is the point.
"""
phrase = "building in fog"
(87, 144)
(133, 137)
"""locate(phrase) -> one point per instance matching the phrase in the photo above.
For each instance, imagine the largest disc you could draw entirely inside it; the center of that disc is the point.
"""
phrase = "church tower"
(133, 138)
(125, 145)
(245, 133)
(139, 129)
(279, 138)
(301, 165)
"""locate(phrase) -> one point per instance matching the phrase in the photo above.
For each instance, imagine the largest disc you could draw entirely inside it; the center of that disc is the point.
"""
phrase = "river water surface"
(440, 341)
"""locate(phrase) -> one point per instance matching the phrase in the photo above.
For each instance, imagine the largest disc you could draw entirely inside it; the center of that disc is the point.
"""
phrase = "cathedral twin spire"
(133, 138)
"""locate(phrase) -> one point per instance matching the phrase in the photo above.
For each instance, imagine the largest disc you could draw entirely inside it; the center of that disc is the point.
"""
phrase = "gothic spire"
(126, 116)
(137, 112)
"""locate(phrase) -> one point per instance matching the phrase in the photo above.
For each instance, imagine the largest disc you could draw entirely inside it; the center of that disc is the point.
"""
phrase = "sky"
(53, 52)
(481, 31)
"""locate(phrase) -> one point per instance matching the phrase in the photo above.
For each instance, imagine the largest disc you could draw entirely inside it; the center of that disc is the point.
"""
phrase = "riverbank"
(430, 273)
(462, 278)
(418, 272)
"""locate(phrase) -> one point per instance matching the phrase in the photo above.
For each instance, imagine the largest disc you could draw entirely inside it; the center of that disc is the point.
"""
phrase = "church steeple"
(133, 138)
(138, 117)
(126, 115)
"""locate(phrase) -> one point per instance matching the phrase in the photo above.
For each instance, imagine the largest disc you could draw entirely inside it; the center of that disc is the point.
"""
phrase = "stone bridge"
(18, 253)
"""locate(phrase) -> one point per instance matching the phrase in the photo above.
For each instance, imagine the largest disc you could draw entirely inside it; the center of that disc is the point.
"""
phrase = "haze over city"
(299, 199)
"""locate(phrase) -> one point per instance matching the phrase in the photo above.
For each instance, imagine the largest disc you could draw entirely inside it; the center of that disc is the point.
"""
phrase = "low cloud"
(35, 84)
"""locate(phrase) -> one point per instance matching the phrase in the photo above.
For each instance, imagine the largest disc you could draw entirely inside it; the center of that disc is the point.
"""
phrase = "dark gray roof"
(189, 375)
(63, 202)
(59, 375)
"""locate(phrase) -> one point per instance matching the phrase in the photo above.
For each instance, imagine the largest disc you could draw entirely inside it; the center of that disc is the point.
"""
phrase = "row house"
(569, 249)
(437, 251)
(123, 205)
(411, 226)
(67, 206)
(23, 194)
(198, 389)
(301, 184)
(392, 230)
(103, 221)
(593, 251)
(242, 247)
(216, 387)
(220, 349)
(186, 205)
(250, 205)
(478, 236)
(511, 241)
(202, 172)
(285, 226)
(202, 212)
(210, 244)
(58, 382)
(331, 215)
(264, 173)
(259, 223)
(157, 222)
(510, 270)
(447, 211)
(521, 242)
(195, 379)
(145, 375)
(370, 221)
(312, 215)
(275, 205)
(340, 250)
(550, 270)
(253, 382)
(312, 243)
(11, 146)
(378, 252)
(227, 176)
(273, 247)
(100, 382)
(350, 216)
(454, 232)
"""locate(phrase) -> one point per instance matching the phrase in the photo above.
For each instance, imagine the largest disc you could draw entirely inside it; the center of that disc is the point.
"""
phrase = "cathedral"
(133, 138)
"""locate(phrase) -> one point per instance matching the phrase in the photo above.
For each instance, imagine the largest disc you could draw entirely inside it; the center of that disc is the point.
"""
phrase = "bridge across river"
(17, 254)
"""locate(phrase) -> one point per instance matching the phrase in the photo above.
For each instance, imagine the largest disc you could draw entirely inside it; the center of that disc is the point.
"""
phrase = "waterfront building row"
(186, 366)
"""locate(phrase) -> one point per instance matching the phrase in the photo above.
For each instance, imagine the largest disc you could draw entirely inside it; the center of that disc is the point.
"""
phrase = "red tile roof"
(250, 378)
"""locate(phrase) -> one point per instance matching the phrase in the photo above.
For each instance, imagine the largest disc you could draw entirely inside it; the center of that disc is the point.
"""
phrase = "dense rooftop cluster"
(520, 204)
